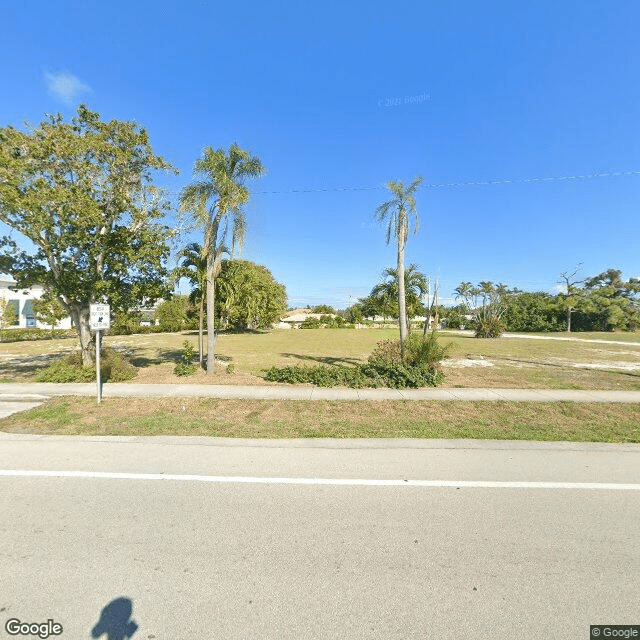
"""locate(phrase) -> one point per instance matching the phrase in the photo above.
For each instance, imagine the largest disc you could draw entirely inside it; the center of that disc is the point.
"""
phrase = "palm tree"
(415, 286)
(194, 267)
(397, 212)
(216, 200)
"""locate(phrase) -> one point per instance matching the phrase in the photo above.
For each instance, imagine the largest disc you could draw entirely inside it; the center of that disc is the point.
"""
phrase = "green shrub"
(386, 351)
(114, 367)
(310, 323)
(425, 350)
(419, 350)
(18, 335)
(489, 328)
(125, 323)
(230, 368)
(186, 366)
(384, 368)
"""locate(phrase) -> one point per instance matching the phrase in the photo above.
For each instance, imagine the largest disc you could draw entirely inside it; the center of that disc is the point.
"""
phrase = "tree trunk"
(569, 320)
(211, 336)
(402, 308)
(201, 331)
(80, 317)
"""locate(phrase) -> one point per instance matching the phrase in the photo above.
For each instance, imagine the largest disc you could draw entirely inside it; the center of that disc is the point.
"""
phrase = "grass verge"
(566, 421)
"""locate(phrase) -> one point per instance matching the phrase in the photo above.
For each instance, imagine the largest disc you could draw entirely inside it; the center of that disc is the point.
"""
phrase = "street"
(261, 542)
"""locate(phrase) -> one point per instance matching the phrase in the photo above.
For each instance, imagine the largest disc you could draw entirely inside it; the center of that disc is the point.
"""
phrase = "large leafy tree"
(397, 213)
(216, 199)
(193, 266)
(249, 296)
(614, 302)
(82, 193)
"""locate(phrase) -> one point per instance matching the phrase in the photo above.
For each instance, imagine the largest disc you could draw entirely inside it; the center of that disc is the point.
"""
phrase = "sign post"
(99, 318)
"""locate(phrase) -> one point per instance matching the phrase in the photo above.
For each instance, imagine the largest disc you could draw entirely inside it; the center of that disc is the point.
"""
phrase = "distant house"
(293, 319)
(22, 302)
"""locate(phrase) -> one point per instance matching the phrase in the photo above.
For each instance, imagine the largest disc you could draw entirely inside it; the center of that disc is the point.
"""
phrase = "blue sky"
(352, 94)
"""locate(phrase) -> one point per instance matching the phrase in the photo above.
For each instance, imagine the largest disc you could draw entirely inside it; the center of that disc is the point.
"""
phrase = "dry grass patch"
(590, 422)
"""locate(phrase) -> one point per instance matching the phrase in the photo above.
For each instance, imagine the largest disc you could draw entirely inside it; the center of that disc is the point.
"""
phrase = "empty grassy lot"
(564, 421)
(525, 362)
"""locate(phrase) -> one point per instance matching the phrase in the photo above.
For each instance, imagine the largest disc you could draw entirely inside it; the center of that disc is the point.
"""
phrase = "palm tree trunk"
(402, 308)
(211, 337)
(201, 330)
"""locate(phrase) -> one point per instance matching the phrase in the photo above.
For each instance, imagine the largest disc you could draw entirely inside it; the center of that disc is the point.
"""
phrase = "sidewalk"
(39, 392)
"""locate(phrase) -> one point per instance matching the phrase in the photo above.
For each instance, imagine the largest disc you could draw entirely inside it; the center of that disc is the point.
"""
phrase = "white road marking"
(480, 484)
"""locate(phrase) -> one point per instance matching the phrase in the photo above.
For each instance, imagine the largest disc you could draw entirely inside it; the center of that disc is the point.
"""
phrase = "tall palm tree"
(216, 200)
(193, 266)
(397, 213)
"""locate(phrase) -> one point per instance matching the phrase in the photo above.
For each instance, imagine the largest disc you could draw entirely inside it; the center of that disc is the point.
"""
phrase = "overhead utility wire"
(444, 185)
(604, 174)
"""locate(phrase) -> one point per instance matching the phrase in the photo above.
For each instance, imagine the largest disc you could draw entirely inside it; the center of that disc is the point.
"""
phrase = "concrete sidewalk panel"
(379, 394)
(475, 394)
(427, 394)
(333, 394)
(615, 396)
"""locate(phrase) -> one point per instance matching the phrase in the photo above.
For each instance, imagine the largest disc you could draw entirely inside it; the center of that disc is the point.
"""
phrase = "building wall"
(24, 299)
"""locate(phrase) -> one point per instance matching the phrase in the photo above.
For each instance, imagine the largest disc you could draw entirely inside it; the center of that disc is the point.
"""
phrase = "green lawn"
(514, 362)
(565, 421)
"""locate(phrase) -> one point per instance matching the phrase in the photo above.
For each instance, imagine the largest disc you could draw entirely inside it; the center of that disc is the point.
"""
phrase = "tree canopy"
(82, 192)
(249, 297)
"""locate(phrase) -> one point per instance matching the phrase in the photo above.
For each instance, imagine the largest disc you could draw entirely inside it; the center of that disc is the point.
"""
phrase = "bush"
(376, 374)
(114, 367)
(489, 328)
(419, 350)
(18, 335)
(125, 323)
(310, 323)
(186, 366)
(387, 351)
(320, 375)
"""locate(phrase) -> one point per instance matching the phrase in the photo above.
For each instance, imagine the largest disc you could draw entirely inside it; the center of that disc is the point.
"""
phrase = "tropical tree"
(614, 302)
(488, 302)
(397, 213)
(216, 199)
(248, 295)
(193, 267)
(82, 193)
(172, 313)
(415, 287)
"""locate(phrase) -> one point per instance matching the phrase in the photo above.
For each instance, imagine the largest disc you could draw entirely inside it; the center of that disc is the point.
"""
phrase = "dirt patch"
(622, 366)
(467, 362)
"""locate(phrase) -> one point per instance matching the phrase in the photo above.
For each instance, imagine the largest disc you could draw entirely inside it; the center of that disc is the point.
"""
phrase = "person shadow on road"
(114, 621)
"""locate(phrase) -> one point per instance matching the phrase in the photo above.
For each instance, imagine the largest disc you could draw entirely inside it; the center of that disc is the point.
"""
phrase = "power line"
(447, 185)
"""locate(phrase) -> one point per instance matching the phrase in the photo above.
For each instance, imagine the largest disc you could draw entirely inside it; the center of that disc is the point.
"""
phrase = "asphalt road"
(253, 545)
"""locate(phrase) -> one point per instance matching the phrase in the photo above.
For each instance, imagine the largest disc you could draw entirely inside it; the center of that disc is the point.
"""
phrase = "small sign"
(99, 318)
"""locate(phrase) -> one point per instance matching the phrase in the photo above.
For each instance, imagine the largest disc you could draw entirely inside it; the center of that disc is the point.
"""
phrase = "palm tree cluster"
(216, 199)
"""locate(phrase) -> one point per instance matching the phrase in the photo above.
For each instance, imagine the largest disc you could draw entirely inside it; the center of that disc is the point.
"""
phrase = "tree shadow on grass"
(323, 359)
(28, 366)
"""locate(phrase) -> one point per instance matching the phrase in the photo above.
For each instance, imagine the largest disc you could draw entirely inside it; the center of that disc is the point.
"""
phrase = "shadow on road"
(115, 622)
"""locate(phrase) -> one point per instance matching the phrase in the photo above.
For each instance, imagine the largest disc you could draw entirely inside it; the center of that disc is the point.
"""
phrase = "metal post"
(98, 363)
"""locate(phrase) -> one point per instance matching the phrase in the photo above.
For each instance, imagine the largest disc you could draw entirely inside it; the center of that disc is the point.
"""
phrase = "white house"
(22, 301)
